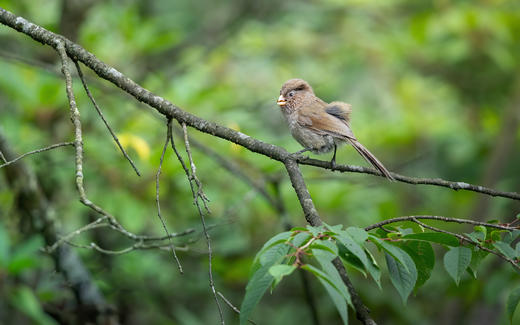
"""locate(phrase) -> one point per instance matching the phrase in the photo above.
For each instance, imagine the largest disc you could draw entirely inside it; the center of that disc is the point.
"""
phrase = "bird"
(320, 127)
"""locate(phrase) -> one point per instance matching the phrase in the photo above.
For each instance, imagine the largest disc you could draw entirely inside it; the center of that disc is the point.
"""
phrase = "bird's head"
(293, 92)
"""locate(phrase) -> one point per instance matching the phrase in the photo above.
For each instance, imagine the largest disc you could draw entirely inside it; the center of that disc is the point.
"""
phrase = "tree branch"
(168, 109)
(440, 218)
(312, 217)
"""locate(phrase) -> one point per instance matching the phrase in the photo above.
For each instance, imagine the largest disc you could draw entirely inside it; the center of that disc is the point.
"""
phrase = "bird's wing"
(339, 110)
(316, 118)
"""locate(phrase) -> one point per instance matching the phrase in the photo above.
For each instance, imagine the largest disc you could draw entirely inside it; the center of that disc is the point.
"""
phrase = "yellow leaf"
(137, 143)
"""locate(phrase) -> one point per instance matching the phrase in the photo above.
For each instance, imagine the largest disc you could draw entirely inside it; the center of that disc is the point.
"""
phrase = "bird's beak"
(281, 101)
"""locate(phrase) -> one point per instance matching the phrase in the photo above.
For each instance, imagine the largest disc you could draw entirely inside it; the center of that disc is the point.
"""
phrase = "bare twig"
(104, 222)
(200, 193)
(94, 224)
(134, 247)
(157, 177)
(54, 146)
(470, 241)
(235, 309)
(440, 218)
(197, 193)
(2, 157)
(89, 94)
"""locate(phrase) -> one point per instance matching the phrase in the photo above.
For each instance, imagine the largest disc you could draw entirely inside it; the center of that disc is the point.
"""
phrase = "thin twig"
(54, 146)
(157, 177)
(89, 94)
(411, 180)
(199, 194)
(2, 157)
(440, 218)
(136, 246)
(468, 240)
(94, 224)
(235, 309)
(103, 222)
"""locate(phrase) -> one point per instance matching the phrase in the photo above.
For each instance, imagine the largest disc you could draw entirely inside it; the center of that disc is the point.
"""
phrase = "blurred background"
(435, 89)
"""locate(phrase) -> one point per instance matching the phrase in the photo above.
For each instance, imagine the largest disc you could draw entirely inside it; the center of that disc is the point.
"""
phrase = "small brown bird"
(320, 127)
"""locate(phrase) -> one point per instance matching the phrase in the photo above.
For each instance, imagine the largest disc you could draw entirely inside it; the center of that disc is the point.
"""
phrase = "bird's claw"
(333, 164)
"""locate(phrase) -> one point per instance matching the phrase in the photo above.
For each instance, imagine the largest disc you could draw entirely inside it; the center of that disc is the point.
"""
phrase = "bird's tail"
(371, 158)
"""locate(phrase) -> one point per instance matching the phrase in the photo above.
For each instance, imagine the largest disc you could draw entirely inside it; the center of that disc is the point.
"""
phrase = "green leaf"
(301, 238)
(505, 249)
(339, 297)
(423, 256)
(476, 236)
(335, 282)
(496, 234)
(358, 234)
(477, 255)
(334, 228)
(394, 251)
(351, 259)
(276, 240)
(281, 270)
(25, 256)
(481, 229)
(315, 231)
(512, 303)
(325, 245)
(373, 269)
(26, 301)
(456, 260)
(434, 237)
(4, 246)
(261, 279)
(403, 278)
(352, 246)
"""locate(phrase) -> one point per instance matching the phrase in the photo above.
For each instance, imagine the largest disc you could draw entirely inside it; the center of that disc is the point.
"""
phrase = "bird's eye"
(291, 93)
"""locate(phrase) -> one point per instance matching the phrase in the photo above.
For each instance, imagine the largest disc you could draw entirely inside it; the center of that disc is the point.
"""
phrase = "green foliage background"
(435, 88)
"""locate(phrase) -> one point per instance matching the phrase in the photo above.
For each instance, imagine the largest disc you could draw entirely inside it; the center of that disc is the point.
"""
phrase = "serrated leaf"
(25, 255)
(352, 246)
(434, 237)
(373, 269)
(301, 238)
(255, 289)
(481, 229)
(477, 255)
(275, 240)
(476, 237)
(505, 249)
(261, 279)
(24, 299)
(423, 256)
(339, 297)
(4, 246)
(349, 258)
(394, 251)
(315, 231)
(358, 234)
(334, 228)
(496, 235)
(325, 245)
(402, 278)
(512, 303)
(281, 270)
(456, 261)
